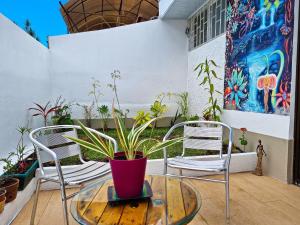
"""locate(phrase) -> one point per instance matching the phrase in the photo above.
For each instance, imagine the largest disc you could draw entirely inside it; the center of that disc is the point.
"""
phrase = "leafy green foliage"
(208, 74)
(116, 75)
(103, 110)
(158, 109)
(62, 116)
(21, 146)
(142, 117)
(9, 166)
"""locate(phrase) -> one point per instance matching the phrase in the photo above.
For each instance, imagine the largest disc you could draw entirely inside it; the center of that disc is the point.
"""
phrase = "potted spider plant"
(128, 165)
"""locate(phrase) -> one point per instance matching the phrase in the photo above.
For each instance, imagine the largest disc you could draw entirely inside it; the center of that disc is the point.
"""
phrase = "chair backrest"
(50, 142)
(61, 146)
(203, 135)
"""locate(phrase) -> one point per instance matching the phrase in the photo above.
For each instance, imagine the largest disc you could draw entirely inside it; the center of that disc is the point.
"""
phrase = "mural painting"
(259, 37)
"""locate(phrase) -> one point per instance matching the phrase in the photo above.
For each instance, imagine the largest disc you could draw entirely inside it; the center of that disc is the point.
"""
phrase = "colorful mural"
(259, 37)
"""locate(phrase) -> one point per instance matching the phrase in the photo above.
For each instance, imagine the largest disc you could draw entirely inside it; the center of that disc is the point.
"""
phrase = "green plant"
(142, 118)
(158, 109)
(213, 109)
(130, 141)
(104, 114)
(9, 167)
(21, 146)
(21, 166)
(62, 116)
(193, 117)
(243, 139)
(175, 118)
(116, 75)
(87, 112)
(29, 30)
(183, 104)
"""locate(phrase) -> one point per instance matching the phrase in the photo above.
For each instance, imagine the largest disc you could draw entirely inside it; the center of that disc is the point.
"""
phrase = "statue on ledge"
(260, 153)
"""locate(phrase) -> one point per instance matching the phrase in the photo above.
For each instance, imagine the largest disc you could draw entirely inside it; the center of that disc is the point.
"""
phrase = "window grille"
(207, 23)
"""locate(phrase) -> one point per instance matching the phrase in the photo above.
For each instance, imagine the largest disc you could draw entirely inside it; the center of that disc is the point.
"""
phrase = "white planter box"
(240, 162)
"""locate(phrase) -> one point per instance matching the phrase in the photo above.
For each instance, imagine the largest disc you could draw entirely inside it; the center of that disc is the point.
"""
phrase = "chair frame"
(225, 181)
(53, 155)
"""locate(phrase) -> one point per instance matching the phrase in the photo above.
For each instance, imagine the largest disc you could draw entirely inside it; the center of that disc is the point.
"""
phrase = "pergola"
(88, 15)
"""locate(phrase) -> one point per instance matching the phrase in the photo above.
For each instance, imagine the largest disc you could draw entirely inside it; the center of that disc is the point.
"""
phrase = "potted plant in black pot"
(128, 166)
(24, 169)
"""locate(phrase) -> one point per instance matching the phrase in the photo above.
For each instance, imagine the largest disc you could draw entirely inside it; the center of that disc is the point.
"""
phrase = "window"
(207, 23)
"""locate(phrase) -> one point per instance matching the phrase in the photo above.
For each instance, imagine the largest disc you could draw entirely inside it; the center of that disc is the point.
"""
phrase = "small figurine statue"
(260, 153)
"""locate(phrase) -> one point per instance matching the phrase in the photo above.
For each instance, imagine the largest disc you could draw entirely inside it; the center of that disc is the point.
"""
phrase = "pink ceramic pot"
(128, 175)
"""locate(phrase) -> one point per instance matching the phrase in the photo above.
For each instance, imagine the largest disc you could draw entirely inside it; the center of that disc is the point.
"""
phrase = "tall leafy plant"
(207, 74)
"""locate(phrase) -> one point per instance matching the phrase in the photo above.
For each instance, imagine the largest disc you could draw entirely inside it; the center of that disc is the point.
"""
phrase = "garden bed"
(157, 133)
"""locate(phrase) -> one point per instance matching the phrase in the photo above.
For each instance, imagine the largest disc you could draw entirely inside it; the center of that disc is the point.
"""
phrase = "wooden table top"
(90, 205)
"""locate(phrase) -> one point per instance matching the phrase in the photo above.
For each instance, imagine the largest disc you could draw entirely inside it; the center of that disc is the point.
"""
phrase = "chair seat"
(190, 164)
(81, 173)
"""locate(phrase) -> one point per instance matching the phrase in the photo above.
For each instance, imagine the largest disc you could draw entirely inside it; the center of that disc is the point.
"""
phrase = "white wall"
(24, 80)
(152, 58)
(198, 97)
(164, 6)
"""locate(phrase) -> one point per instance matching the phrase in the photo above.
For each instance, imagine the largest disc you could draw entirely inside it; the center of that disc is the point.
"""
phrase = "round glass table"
(174, 201)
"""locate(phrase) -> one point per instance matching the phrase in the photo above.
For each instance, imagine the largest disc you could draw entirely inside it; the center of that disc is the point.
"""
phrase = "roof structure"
(88, 15)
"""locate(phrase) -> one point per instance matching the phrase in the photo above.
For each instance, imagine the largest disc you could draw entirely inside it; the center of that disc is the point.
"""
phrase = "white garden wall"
(152, 58)
(24, 80)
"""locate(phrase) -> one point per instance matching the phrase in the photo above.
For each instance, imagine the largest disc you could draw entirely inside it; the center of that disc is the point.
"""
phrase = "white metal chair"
(204, 135)
(51, 146)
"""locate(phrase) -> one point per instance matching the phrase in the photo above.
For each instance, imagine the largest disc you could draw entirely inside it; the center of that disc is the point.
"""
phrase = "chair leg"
(35, 201)
(64, 203)
(227, 195)
(180, 172)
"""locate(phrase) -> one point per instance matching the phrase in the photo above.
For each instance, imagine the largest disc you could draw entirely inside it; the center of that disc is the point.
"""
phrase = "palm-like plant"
(130, 141)
(44, 111)
(104, 113)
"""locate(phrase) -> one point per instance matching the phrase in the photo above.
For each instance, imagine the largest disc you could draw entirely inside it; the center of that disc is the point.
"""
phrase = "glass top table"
(174, 201)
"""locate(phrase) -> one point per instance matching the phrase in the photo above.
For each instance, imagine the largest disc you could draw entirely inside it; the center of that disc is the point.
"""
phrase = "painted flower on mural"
(236, 88)
(283, 97)
(285, 30)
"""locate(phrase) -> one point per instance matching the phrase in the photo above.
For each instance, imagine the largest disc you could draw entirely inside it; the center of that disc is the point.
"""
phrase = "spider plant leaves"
(88, 145)
(98, 145)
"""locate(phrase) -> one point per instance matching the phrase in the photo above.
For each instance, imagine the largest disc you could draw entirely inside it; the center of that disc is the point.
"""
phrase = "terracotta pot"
(128, 175)
(2, 200)
(11, 186)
